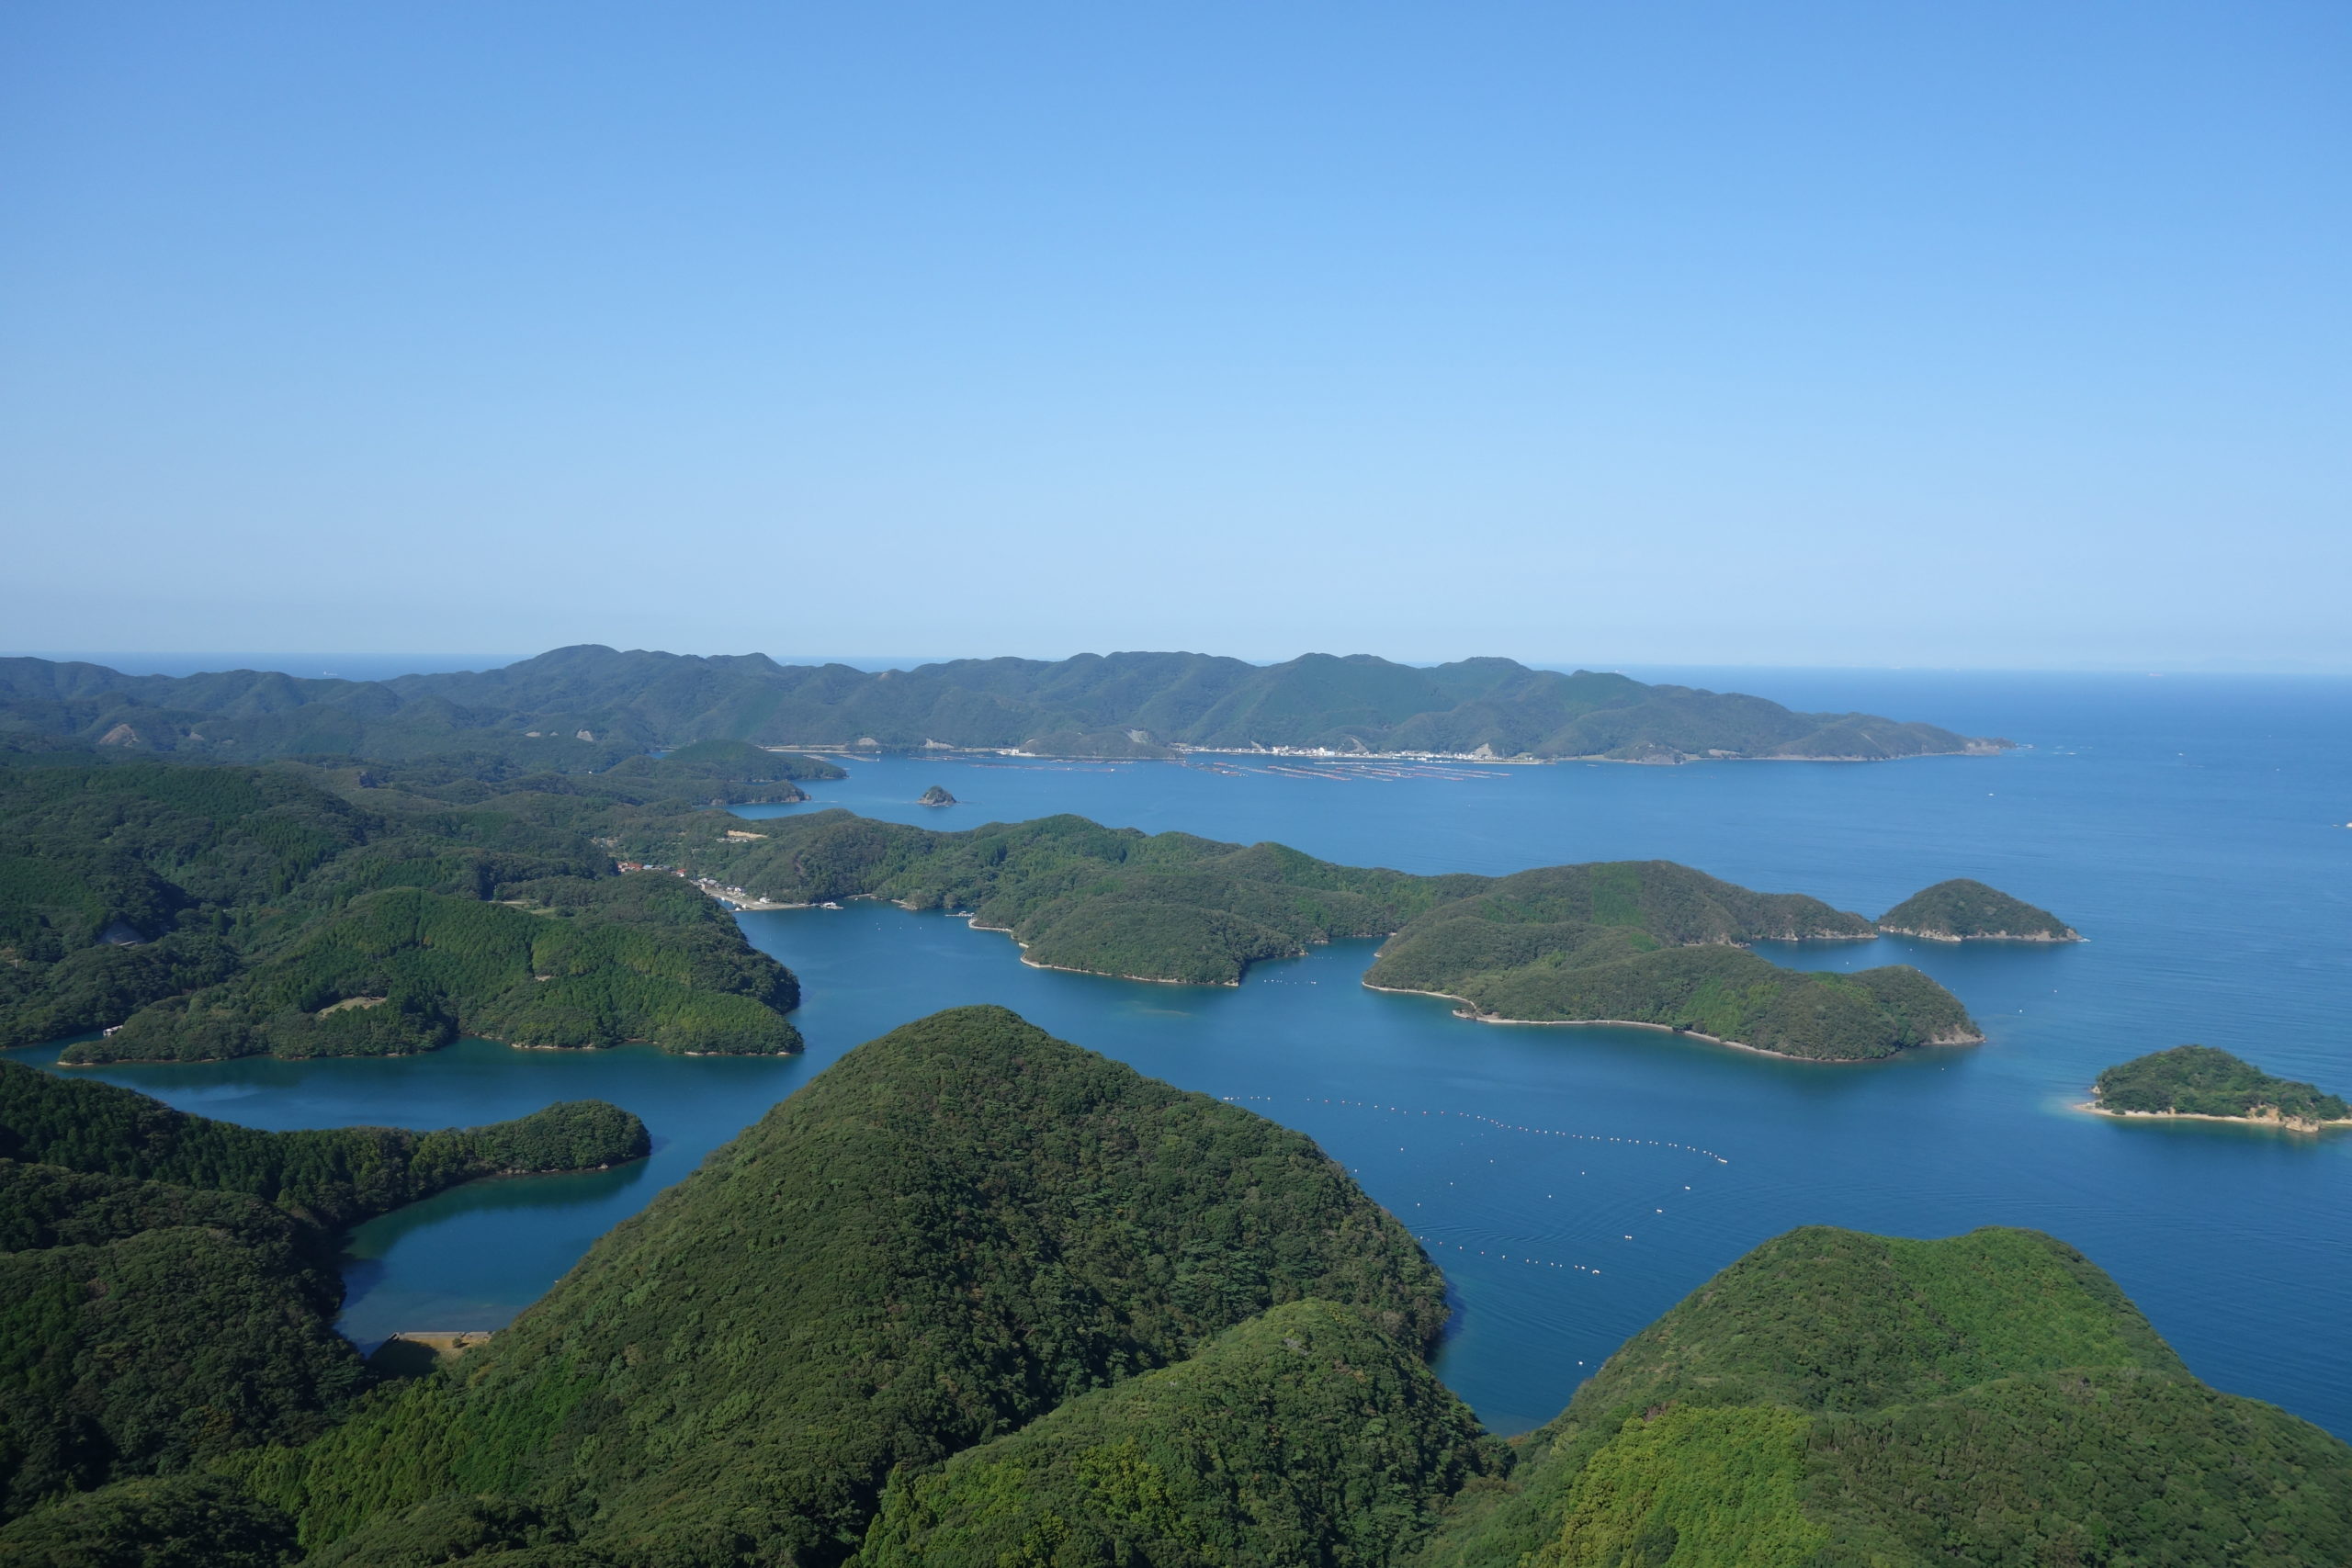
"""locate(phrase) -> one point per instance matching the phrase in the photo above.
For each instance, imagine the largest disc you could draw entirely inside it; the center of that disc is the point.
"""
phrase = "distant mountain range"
(588, 705)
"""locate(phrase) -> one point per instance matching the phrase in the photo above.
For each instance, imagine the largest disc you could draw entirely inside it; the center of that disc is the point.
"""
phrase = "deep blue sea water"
(1576, 1182)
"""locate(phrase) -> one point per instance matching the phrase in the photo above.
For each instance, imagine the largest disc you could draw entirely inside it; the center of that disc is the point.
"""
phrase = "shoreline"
(1466, 1012)
(2299, 1124)
(2043, 938)
(1106, 974)
(974, 923)
(1177, 753)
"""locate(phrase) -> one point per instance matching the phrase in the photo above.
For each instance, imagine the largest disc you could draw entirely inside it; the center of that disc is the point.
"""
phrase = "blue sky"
(1872, 333)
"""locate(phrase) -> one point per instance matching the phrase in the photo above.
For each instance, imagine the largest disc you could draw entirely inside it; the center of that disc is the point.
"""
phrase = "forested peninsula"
(202, 912)
(1636, 941)
(2202, 1082)
(589, 708)
(168, 1283)
(976, 1296)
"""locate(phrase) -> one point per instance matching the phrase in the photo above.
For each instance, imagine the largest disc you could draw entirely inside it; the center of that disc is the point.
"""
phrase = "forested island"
(585, 708)
(202, 912)
(168, 1283)
(976, 1296)
(1966, 910)
(1636, 941)
(2200, 1081)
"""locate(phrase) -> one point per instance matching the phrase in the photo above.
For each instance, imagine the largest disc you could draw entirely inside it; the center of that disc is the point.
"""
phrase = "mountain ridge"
(588, 705)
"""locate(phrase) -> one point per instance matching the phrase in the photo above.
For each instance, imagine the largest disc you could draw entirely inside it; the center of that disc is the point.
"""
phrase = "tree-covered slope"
(265, 911)
(2198, 1080)
(1837, 1400)
(1644, 941)
(1967, 910)
(160, 1348)
(181, 1521)
(584, 707)
(950, 1231)
(1306, 1434)
(580, 961)
(480, 1531)
(167, 1283)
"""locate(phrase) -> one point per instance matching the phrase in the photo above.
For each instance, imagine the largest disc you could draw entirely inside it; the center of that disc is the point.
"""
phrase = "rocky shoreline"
(2275, 1120)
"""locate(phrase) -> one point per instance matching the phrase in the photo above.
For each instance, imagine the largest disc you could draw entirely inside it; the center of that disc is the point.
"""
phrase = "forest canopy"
(2198, 1080)
(1842, 1399)
(204, 912)
(168, 1282)
(948, 1233)
(1967, 910)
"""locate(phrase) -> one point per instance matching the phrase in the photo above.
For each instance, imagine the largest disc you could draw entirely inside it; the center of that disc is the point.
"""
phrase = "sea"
(1575, 1182)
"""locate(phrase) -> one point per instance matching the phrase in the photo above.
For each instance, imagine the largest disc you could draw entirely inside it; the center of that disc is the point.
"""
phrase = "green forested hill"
(583, 707)
(1967, 910)
(950, 1231)
(1837, 1400)
(181, 1521)
(583, 963)
(1644, 941)
(1306, 1434)
(2197, 1080)
(975, 1296)
(167, 1283)
(250, 902)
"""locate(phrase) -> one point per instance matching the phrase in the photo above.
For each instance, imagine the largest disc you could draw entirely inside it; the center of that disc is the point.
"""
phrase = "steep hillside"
(1306, 1434)
(217, 911)
(1838, 1400)
(167, 1283)
(950, 1231)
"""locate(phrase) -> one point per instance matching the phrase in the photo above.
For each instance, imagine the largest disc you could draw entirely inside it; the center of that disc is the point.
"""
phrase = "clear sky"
(1879, 333)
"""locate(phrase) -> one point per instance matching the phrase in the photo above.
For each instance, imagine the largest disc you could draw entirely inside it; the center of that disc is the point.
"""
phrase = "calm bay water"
(1576, 1182)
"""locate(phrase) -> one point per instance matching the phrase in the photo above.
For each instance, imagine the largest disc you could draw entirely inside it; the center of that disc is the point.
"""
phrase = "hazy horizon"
(1825, 335)
(370, 666)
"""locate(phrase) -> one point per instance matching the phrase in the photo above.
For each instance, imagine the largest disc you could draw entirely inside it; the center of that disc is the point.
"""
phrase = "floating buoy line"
(1438, 1246)
(1500, 1256)
(1495, 1121)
